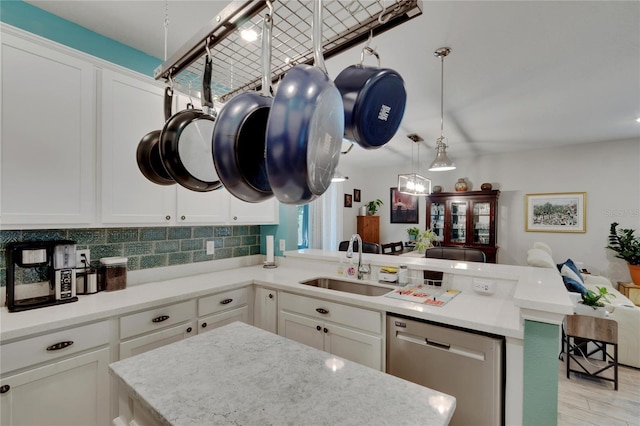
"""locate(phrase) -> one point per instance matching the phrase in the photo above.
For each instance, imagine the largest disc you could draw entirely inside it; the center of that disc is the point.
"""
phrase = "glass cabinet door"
(481, 222)
(458, 222)
(437, 219)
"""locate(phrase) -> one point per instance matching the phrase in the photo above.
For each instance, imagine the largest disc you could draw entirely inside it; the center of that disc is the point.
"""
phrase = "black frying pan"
(185, 142)
(148, 152)
(305, 128)
(239, 135)
(374, 101)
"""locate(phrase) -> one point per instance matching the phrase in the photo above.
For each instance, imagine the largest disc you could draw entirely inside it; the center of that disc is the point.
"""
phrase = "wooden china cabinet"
(465, 219)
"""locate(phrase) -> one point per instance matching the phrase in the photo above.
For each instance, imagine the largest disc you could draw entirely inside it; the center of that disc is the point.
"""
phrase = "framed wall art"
(356, 195)
(404, 207)
(556, 212)
(348, 200)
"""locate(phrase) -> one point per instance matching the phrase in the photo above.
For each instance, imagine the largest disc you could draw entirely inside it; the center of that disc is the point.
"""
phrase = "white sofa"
(621, 309)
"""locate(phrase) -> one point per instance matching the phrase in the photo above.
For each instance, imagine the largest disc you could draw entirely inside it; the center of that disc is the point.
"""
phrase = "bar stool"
(599, 331)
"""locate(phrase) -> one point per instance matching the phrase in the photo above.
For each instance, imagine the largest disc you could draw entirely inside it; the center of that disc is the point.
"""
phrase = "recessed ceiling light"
(249, 35)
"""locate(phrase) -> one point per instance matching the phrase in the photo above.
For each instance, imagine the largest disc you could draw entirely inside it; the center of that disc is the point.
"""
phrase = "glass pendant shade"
(441, 162)
(338, 177)
(414, 184)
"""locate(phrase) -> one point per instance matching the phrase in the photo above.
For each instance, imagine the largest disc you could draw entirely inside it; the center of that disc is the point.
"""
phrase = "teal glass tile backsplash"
(148, 247)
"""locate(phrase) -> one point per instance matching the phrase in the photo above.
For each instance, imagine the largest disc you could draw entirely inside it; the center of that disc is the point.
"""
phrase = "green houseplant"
(425, 240)
(413, 233)
(592, 298)
(372, 206)
(627, 247)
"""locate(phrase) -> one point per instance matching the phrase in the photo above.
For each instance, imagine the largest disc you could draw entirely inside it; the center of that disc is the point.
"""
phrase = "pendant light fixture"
(442, 162)
(413, 183)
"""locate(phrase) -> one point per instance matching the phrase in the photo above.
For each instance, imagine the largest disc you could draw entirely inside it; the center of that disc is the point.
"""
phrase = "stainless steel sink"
(348, 286)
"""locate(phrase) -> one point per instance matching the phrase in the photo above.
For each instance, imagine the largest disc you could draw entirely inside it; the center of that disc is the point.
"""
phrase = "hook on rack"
(385, 15)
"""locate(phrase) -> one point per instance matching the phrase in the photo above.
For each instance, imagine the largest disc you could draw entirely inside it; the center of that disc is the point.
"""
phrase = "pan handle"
(206, 83)
(267, 25)
(168, 100)
(316, 36)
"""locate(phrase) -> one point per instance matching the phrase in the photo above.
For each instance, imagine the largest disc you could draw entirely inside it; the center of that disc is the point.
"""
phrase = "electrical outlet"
(484, 286)
(210, 247)
(282, 245)
(80, 258)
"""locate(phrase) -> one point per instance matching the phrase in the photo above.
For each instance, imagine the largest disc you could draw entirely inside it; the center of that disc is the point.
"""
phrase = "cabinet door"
(242, 212)
(218, 320)
(458, 225)
(301, 329)
(48, 136)
(349, 344)
(266, 309)
(131, 108)
(436, 219)
(70, 392)
(155, 340)
(482, 223)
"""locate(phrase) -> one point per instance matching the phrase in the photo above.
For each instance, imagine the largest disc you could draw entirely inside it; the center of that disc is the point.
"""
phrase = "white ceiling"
(521, 75)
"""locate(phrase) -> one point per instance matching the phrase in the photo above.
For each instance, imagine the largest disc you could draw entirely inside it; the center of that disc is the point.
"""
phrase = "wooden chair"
(599, 331)
(367, 247)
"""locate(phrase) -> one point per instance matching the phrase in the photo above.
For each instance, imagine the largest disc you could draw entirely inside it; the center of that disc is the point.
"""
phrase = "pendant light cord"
(441, 97)
(166, 27)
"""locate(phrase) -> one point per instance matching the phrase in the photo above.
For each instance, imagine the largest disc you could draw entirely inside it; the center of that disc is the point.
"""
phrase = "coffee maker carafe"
(40, 273)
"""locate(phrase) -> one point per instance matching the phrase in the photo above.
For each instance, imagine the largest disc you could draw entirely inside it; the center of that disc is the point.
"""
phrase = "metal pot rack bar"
(236, 62)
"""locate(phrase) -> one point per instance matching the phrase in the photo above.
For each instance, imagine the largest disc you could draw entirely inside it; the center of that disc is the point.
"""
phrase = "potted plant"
(425, 240)
(413, 233)
(372, 206)
(627, 247)
(591, 301)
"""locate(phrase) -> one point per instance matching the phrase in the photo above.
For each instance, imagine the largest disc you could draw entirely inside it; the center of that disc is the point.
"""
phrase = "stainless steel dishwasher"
(461, 363)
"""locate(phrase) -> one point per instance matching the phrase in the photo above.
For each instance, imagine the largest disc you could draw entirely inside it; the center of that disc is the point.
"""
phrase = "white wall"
(609, 172)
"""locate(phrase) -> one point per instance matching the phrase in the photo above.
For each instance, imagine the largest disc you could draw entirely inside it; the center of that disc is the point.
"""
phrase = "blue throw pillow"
(572, 266)
(574, 286)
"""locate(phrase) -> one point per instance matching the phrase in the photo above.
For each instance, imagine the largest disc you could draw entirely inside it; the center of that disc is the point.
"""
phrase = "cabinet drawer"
(155, 340)
(342, 314)
(53, 345)
(212, 322)
(157, 318)
(222, 301)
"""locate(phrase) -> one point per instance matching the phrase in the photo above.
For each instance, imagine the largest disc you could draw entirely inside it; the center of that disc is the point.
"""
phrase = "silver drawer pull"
(226, 301)
(60, 345)
(437, 344)
(161, 318)
(322, 311)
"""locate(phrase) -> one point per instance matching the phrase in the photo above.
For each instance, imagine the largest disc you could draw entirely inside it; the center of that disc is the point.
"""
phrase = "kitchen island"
(241, 375)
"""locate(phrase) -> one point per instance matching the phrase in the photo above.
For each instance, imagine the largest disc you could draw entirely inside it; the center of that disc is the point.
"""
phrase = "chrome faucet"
(362, 269)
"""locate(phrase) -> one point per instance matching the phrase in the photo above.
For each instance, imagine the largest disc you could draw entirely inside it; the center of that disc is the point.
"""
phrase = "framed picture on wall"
(348, 200)
(556, 212)
(404, 207)
(356, 195)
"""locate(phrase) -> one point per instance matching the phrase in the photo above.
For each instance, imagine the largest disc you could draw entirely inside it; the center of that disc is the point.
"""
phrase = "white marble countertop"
(239, 374)
(526, 289)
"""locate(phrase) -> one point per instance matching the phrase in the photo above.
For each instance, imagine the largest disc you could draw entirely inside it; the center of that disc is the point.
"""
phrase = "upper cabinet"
(465, 219)
(48, 136)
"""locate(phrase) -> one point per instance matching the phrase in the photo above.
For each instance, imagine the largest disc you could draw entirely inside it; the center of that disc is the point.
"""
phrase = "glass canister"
(113, 273)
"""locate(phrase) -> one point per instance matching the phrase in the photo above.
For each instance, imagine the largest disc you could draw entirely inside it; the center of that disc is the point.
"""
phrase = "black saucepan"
(305, 128)
(374, 101)
(148, 152)
(239, 135)
(185, 142)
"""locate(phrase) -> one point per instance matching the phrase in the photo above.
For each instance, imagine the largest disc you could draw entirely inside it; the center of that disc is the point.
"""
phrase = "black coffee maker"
(40, 273)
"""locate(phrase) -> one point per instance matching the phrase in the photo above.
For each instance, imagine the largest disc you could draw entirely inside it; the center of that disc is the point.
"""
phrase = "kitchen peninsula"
(527, 307)
(239, 374)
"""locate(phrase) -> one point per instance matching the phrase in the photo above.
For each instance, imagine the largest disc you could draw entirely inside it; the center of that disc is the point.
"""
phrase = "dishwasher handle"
(437, 344)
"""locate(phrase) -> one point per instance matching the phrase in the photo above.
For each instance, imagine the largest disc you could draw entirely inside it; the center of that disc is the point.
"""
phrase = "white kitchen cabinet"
(241, 212)
(130, 108)
(348, 332)
(48, 135)
(265, 310)
(223, 308)
(157, 339)
(60, 378)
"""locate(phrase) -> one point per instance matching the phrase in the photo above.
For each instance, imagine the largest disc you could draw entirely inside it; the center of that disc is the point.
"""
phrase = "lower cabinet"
(265, 309)
(223, 308)
(155, 340)
(348, 332)
(74, 391)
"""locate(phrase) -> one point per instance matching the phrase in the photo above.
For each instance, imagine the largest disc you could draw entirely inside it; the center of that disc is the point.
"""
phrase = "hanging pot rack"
(236, 62)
